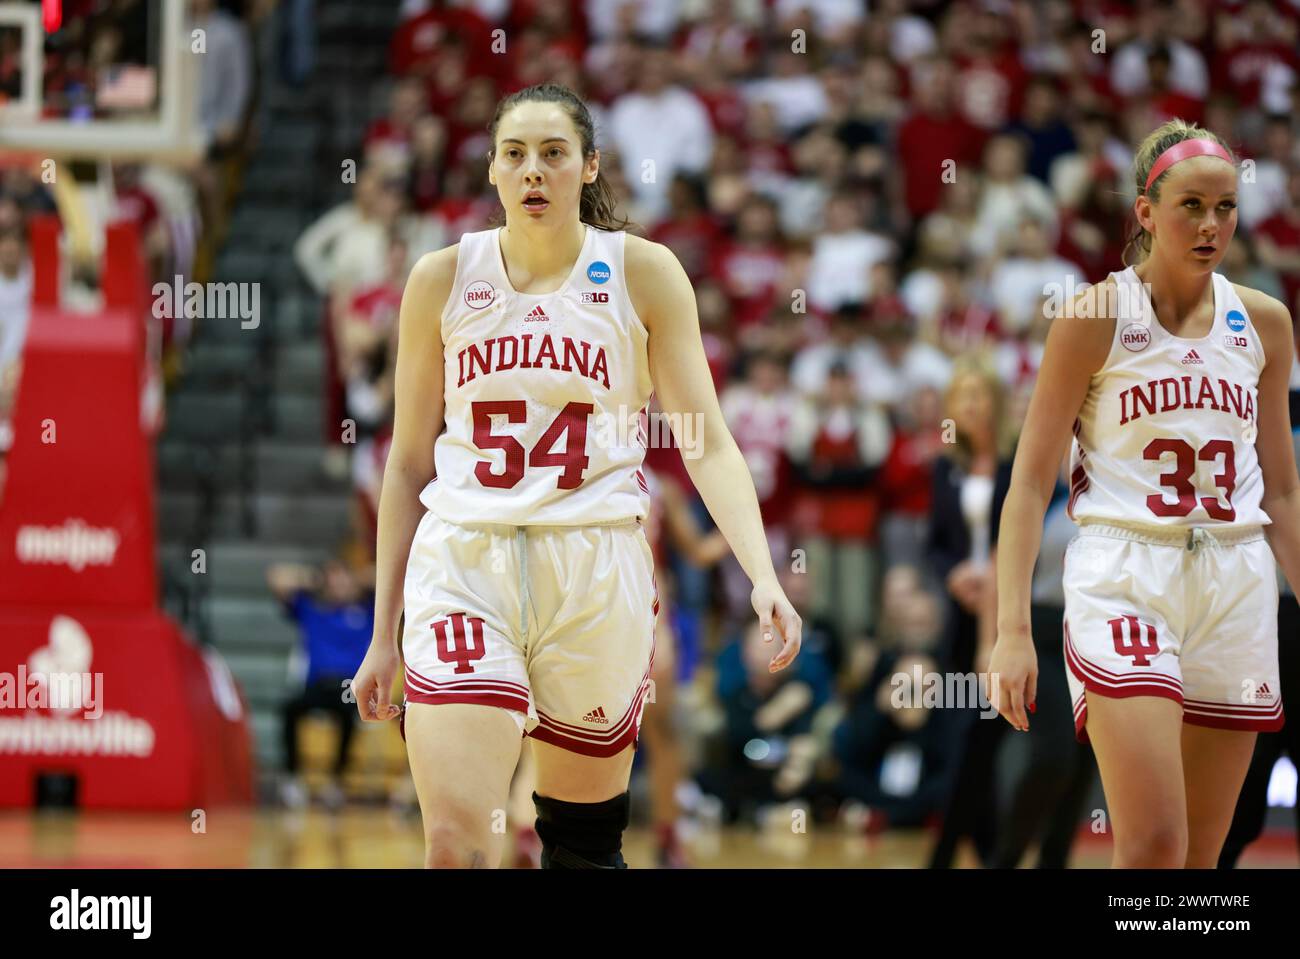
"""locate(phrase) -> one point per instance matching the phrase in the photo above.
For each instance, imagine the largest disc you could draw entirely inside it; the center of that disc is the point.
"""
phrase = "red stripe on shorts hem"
(601, 750)
(504, 700)
(1241, 723)
(1117, 692)
(435, 684)
(1238, 709)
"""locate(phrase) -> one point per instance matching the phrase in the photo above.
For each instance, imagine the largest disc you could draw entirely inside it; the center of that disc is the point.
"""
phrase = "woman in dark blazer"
(970, 484)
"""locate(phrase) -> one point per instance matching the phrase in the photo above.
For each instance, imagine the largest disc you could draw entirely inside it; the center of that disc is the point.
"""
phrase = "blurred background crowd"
(878, 204)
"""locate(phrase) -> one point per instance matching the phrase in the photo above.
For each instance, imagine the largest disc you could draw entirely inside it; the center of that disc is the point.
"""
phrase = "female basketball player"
(1172, 383)
(529, 595)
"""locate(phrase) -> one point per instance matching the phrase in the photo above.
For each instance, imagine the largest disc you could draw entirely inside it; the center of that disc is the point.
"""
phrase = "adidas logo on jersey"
(536, 315)
(1192, 357)
(597, 715)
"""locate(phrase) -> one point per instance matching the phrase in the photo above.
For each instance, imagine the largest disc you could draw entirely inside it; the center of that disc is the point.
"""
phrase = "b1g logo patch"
(1236, 321)
(1240, 342)
(598, 272)
(596, 297)
(1135, 337)
(479, 294)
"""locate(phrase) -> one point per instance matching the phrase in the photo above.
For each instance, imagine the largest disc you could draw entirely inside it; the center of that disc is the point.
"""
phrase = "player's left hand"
(776, 616)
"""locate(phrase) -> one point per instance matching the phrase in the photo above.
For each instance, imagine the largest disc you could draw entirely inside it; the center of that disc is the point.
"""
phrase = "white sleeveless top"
(1166, 435)
(545, 394)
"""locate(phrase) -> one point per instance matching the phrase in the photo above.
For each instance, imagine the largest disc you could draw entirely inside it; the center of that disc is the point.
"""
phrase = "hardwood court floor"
(377, 838)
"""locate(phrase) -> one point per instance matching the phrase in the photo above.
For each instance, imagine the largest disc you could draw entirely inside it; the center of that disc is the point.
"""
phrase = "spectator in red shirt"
(1093, 235)
(720, 96)
(135, 203)
(962, 324)
(689, 230)
(990, 78)
(933, 138)
(391, 134)
(1087, 79)
(564, 22)
(749, 267)
(759, 409)
(420, 42)
(1256, 59)
(904, 480)
(1163, 101)
(1277, 241)
(428, 151)
(721, 39)
(467, 137)
(836, 445)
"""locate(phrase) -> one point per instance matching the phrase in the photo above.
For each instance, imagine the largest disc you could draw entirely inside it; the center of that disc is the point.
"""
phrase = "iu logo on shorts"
(1128, 633)
(459, 648)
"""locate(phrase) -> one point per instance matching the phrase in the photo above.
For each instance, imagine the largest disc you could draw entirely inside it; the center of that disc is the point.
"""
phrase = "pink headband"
(1182, 151)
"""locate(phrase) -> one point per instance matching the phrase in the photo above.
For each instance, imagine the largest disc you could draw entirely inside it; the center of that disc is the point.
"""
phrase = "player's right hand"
(1013, 678)
(373, 683)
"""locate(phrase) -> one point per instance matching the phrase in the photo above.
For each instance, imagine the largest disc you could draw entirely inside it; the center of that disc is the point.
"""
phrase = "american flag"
(126, 87)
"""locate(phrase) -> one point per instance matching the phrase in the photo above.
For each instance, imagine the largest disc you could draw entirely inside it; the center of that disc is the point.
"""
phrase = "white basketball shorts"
(555, 624)
(1188, 614)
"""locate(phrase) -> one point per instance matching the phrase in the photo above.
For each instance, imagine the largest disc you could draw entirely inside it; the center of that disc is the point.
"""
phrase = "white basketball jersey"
(1166, 436)
(545, 394)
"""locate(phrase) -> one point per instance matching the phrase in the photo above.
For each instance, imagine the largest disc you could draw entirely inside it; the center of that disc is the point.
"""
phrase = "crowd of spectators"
(878, 205)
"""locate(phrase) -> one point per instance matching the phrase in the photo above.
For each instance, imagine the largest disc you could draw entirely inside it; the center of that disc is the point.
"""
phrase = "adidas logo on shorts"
(1192, 357)
(597, 715)
(1263, 695)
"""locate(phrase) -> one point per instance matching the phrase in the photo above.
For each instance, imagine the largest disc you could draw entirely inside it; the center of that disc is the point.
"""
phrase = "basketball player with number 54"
(529, 588)
(1171, 383)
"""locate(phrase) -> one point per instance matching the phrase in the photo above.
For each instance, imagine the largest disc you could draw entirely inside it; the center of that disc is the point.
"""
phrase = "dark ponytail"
(598, 202)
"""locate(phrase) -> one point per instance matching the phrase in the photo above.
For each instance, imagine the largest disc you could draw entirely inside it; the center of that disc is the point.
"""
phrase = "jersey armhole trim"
(631, 307)
(1110, 354)
(1257, 341)
(455, 291)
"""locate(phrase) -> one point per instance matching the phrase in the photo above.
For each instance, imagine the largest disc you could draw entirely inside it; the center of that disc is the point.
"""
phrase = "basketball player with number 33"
(1171, 383)
(529, 585)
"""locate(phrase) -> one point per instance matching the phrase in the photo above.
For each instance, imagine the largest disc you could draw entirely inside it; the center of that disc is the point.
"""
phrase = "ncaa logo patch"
(1236, 321)
(479, 294)
(598, 272)
(1135, 337)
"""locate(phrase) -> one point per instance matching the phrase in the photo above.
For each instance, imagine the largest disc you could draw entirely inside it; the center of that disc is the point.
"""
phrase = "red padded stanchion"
(94, 680)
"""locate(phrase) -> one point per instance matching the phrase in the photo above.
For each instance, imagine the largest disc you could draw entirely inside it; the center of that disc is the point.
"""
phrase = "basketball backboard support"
(165, 130)
(27, 22)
